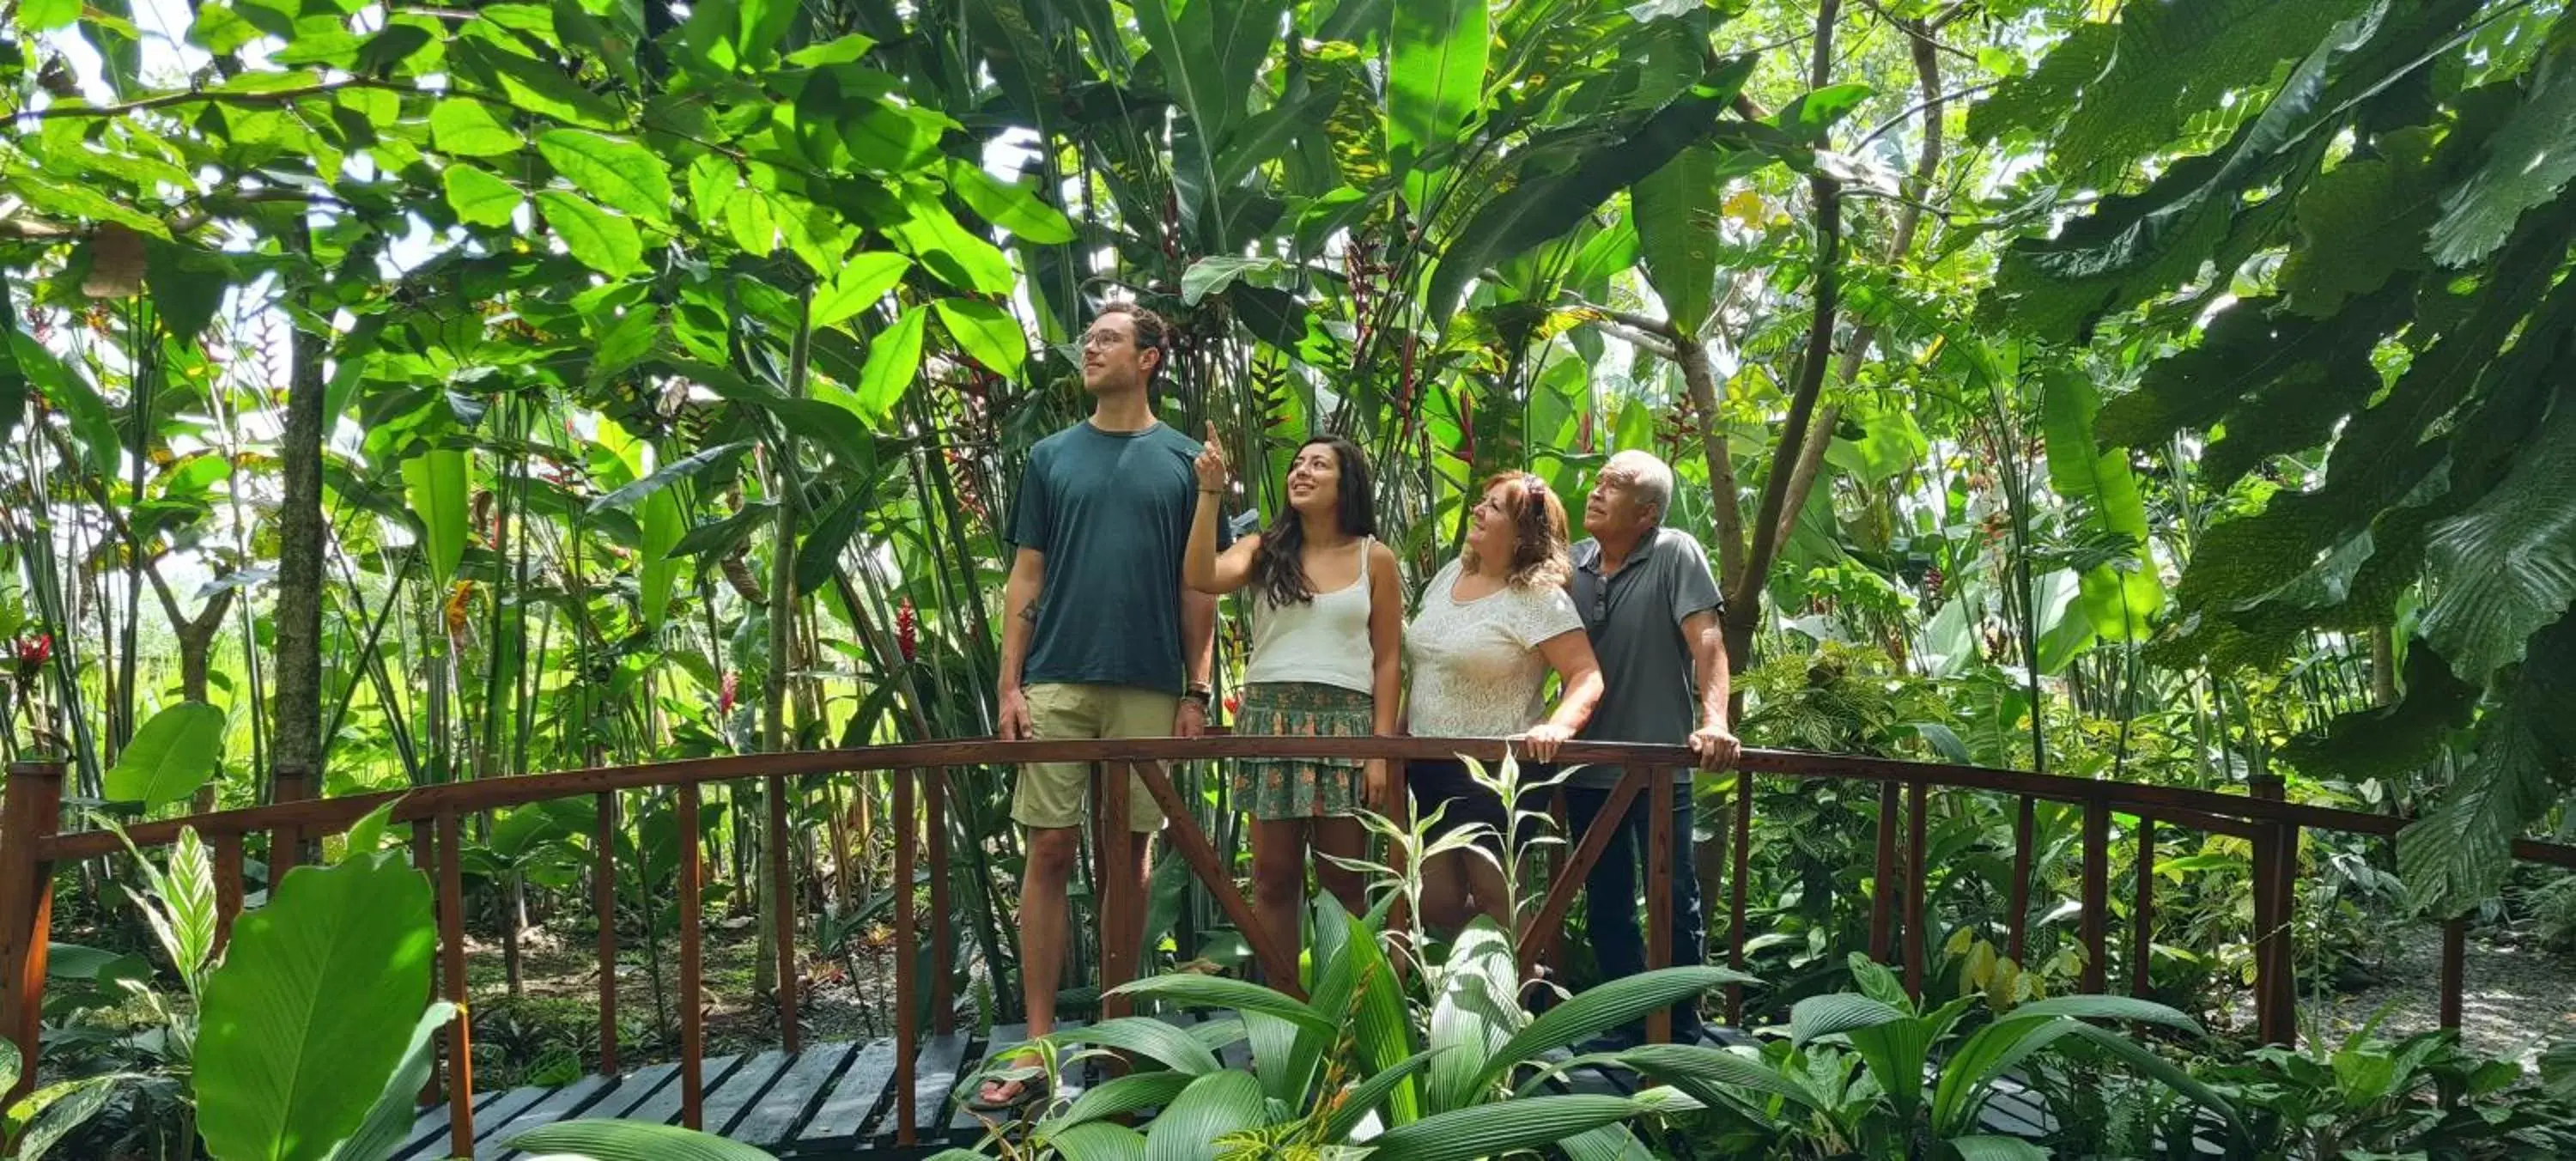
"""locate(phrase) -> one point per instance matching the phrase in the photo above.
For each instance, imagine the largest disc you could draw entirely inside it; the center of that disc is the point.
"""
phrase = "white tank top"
(1324, 641)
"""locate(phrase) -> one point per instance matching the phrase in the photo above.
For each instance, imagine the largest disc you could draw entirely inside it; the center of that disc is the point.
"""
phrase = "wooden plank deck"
(837, 1100)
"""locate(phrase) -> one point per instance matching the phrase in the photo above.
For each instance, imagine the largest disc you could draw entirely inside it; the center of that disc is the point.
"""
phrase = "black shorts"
(1445, 781)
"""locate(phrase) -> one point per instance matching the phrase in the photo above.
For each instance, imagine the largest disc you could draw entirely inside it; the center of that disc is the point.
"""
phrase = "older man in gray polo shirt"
(1652, 611)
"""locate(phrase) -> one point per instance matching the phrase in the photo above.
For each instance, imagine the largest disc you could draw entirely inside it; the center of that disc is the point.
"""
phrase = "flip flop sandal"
(1034, 1085)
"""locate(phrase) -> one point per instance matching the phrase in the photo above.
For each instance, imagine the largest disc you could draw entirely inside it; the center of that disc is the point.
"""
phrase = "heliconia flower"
(35, 651)
(458, 605)
(732, 688)
(1233, 704)
(907, 625)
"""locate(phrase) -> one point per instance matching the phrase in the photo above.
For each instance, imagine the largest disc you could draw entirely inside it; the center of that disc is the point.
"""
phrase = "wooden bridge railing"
(31, 847)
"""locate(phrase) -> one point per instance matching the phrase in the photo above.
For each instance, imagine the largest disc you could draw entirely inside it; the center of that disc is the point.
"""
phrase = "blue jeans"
(1611, 893)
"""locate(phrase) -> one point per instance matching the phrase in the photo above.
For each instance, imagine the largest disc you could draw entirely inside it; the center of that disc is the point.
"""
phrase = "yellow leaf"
(1745, 206)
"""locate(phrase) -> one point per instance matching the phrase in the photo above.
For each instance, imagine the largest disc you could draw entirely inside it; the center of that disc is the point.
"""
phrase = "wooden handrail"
(312, 818)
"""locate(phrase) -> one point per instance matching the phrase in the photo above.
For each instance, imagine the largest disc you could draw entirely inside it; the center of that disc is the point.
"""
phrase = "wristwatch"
(1198, 693)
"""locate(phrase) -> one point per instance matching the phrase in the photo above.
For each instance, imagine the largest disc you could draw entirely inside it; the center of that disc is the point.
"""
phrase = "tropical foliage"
(395, 395)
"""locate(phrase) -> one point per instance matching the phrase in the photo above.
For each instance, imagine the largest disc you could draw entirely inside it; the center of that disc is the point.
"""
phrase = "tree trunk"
(297, 736)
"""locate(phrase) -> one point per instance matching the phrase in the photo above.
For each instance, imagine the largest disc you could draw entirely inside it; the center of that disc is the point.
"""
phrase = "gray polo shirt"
(1634, 619)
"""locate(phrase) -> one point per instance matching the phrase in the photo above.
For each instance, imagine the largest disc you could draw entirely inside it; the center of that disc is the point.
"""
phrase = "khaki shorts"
(1049, 795)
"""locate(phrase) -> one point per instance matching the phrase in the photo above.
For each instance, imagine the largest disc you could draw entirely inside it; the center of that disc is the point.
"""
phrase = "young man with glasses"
(1652, 611)
(1100, 638)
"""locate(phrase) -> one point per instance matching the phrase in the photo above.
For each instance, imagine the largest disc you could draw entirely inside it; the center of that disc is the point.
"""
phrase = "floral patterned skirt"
(1282, 788)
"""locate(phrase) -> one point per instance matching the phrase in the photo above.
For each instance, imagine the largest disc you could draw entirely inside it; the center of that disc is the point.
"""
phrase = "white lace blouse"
(1477, 670)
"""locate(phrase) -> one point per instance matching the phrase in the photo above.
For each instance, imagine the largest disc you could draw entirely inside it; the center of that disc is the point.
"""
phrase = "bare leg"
(1485, 882)
(1444, 892)
(1044, 915)
(1342, 838)
(1279, 879)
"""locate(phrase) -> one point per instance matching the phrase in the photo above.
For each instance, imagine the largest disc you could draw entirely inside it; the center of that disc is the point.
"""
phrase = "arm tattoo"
(1030, 614)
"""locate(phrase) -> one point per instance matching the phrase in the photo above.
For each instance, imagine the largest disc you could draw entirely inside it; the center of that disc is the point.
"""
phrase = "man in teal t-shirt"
(1101, 639)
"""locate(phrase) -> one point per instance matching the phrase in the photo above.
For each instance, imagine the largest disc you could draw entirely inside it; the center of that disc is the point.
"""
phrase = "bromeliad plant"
(1352, 1066)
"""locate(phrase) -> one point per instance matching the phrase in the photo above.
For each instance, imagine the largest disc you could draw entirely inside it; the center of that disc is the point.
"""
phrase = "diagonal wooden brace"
(1569, 879)
(1279, 964)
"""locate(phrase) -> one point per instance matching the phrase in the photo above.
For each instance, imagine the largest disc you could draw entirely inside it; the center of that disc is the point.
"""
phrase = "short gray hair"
(1652, 477)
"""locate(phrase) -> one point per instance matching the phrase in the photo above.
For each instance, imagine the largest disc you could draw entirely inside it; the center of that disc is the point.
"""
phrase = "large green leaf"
(1473, 1016)
(1213, 1106)
(598, 239)
(1695, 1066)
(2507, 566)
(479, 198)
(310, 1012)
(663, 523)
(59, 1108)
(466, 128)
(894, 357)
(1171, 1047)
(389, 1120)
(1676, 216)
(1547, 203)
(1100, 1141)
(434, 485)
(614, 171)
(859, 284)
(2173, 59)
(1365, 1097)
(1435, 73)
(69, 391)
(1496, 1129)
(170, 757)
(2455, 855)
(1608, 1005)
(668, 474)
(1826, 1015)
(2121, 594)
(1193, 990)
(632, 1141)
(987, 333)
(2528, 162)
(1117, 1096)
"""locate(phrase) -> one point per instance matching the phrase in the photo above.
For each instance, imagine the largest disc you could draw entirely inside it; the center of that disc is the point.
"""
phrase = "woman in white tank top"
(1327, 647)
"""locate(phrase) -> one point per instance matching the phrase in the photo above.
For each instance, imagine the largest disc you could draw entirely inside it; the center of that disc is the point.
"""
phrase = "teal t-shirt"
(1111, 511)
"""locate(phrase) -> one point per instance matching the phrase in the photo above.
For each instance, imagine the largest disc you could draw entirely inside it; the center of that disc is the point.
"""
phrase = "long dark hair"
(1279, 567)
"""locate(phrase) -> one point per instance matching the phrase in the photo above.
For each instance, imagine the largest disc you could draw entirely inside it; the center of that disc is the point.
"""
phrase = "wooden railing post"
(943, 934)
(2455, 955)
(2097, 889)
(693, 1026)
(907, 985)
(286, 843)
(1882, 901)
(1121, 926)
(2142, 916)
(603, 899)
(782, 886)
(451, 955)
(227, 852)
(1741, 864)
(1659, 892)
(30, 813)
(424, 859)
(1918, 877)
(2017, 924)
(2276, 859)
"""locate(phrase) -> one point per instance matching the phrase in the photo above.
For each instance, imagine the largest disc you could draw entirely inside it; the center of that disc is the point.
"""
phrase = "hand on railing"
(1543, 739)
(1716, 746)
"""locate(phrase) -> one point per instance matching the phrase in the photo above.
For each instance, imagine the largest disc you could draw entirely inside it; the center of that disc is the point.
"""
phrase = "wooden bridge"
(895, 1094)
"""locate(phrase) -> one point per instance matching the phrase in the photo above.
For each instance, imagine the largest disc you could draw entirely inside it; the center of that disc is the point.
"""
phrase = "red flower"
(33, 653)
(725, 696)
(907, 625)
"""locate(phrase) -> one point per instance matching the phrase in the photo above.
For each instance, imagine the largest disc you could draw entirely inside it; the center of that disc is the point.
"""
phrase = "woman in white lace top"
(1493, 624)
